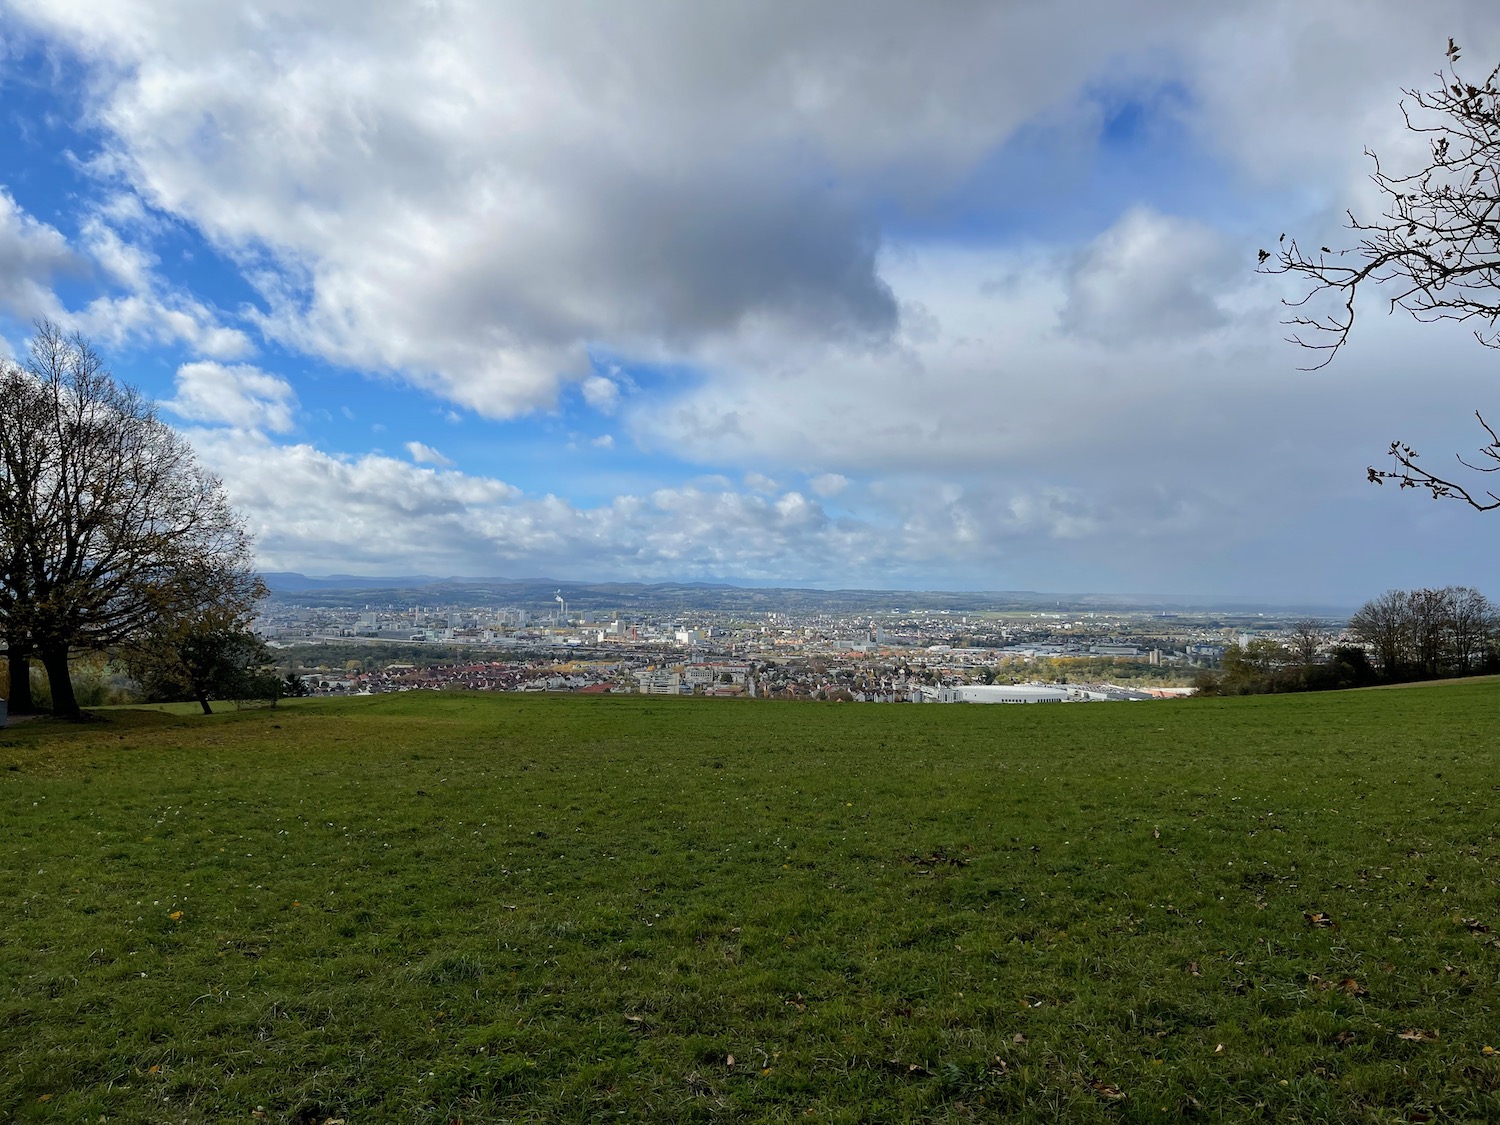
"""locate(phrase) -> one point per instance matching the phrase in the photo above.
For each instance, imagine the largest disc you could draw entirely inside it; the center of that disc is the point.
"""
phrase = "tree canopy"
(108, 524)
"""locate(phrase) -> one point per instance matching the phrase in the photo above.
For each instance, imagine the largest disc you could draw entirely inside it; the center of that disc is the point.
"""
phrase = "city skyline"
(868, 296)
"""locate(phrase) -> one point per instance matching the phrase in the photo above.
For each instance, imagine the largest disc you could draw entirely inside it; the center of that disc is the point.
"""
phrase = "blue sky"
(862, 294)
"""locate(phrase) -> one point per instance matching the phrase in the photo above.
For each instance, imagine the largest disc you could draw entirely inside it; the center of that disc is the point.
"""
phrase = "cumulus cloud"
(480, 199)
(1151, 277)
(426, 455)
(828, 485)
(34, 254)
(601, 393)
(241, 396)
(469, 195)
(31, 254)
(316, 511)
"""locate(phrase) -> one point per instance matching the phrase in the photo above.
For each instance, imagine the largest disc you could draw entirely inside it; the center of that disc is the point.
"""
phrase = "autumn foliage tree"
(199, 645)
(108, 524)
(1433, 251)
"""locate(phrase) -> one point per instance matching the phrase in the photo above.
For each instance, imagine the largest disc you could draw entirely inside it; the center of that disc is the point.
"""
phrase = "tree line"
(1401, 636)
(112, 537)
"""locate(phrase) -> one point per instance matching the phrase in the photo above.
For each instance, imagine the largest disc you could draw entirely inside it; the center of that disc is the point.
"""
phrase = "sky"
(957, 295)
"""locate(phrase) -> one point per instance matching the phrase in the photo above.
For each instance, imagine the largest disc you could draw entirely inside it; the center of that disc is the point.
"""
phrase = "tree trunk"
(60, 680)
(19, 697)
(203, 702)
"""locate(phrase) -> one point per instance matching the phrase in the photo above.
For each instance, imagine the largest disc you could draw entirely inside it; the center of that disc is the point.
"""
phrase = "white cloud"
(426, 455)
(470, 195)
(1151, 277)
(483, 198)
(314, 511)
(604, 441)
(828, 485)
(601, 393)
(31, 255)
(240, 396)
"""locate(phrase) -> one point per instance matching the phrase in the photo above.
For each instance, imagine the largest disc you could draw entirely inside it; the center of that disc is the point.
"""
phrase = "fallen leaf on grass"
(1193, 970)
(634, 1019)
(1488, 1051)
(176, 916)
(44, 1097)
(1018, 1038)
(1344, 1038)
(1318, 920)
(1219, 1050)
(1105, 1090)
(1474, 925)
(1417, 1035)
(729, 1061)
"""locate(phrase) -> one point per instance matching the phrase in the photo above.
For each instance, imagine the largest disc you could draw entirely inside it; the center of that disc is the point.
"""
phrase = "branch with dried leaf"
(1434, 251)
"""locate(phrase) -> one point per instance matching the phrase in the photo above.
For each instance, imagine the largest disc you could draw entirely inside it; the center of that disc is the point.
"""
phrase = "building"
(659, 683)
(1001, 693)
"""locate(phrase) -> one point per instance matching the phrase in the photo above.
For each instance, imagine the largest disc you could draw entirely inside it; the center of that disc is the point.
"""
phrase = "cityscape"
(883, 652)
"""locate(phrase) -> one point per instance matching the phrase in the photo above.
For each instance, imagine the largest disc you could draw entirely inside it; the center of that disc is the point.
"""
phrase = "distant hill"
(345, 590)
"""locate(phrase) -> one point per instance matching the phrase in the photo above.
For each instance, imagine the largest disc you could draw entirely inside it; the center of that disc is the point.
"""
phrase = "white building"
(659, 683)
(1001, 693)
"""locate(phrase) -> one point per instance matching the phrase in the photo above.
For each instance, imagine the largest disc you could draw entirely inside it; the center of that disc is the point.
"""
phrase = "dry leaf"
(1193, 970)
(1488, 1052)
(1319, 920)
(1417, 1035)
(1353, 987)
(1105, 1090)
(1219, 1050)
(176, 916)
(1018, 1038)
(729, 1061)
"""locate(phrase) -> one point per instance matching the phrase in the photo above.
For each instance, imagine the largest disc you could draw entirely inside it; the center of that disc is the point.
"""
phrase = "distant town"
(1003, 650)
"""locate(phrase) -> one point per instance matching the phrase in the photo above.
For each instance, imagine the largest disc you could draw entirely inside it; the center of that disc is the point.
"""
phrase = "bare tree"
(1306, 639)
(1435, 249)
(1472, 623)
(1421, 633)
(1381, 626)
(23, 459)
(105, 514)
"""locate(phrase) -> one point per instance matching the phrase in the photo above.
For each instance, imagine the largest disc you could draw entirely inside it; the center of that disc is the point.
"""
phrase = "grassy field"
(445, 908)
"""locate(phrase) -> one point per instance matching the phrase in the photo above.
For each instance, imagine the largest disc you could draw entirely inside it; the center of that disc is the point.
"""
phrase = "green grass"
(434, 908)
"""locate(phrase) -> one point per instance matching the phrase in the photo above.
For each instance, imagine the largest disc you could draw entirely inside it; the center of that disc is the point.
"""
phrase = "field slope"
(446, 908)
